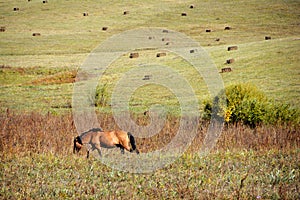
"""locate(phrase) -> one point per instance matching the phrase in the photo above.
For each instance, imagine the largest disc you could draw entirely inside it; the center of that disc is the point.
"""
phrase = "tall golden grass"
(37, 133)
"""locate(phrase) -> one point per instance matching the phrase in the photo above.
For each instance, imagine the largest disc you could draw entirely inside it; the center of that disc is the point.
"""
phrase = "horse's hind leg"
(97, 146)
(122, 150)
(127, 147)
(121, 147)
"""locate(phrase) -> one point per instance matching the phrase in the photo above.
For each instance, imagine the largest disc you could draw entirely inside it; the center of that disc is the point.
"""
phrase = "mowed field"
(43, 45)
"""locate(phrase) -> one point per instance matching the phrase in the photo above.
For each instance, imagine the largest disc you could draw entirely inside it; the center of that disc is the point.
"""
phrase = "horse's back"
(108, 139)
(120, 133)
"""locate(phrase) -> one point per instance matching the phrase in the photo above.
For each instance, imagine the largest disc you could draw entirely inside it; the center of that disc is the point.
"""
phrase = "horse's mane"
(91, 130)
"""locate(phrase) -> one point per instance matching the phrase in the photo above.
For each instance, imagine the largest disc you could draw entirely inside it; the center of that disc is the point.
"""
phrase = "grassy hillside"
(37, 75)
(67, 37)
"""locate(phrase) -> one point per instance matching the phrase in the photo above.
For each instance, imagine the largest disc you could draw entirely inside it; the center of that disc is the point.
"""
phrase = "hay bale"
(226, 69)
(2, 29)
(229, 61)
(161, 54)
(104, 28)
(183, 14)
(16, 9)
(147, 77)
(232, 48)
(85, 14)
(192, 6)
(207, 30)
(36, 34)
(134, 55)
(227, 28)
(267, 37)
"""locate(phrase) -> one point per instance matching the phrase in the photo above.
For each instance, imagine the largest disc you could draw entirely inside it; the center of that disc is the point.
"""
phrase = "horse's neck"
(86, 138)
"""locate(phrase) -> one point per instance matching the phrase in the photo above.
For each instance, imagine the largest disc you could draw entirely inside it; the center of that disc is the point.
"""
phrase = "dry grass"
(58, 78)
(37, 133)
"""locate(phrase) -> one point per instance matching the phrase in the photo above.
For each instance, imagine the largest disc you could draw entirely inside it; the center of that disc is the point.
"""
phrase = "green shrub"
(278, 113)
(101, 97)
(244, 103)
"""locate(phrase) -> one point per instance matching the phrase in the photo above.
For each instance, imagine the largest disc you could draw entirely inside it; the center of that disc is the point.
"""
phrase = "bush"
(101, 97)
(244, 103)
(282, 113)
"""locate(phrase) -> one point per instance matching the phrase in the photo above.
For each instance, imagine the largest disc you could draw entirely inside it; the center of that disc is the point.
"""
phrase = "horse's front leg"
(88, 148)
(121, 147)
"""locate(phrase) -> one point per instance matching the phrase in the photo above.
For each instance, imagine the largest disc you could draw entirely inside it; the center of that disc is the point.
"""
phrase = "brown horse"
(97, 138)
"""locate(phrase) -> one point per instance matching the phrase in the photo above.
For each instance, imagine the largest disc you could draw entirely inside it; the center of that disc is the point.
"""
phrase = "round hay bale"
(134, 55)
(232, 48)
(2, 29)
(268, 38)
(229, 61)
(226, 69)
(147, 77)
(160, 54)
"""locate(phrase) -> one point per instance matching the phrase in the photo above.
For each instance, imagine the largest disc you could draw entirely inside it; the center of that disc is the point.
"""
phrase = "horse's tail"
(132, 142)
(77, 144)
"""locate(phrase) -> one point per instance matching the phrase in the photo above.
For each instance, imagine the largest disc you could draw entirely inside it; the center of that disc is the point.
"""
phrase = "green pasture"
(67, 37)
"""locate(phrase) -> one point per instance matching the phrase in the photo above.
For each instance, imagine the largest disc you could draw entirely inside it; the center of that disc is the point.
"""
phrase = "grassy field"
(256, 176)
(67, 37)
(37, 75)
(37, 163)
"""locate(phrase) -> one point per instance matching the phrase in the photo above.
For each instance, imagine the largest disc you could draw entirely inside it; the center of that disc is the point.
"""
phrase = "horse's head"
(77, 144)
